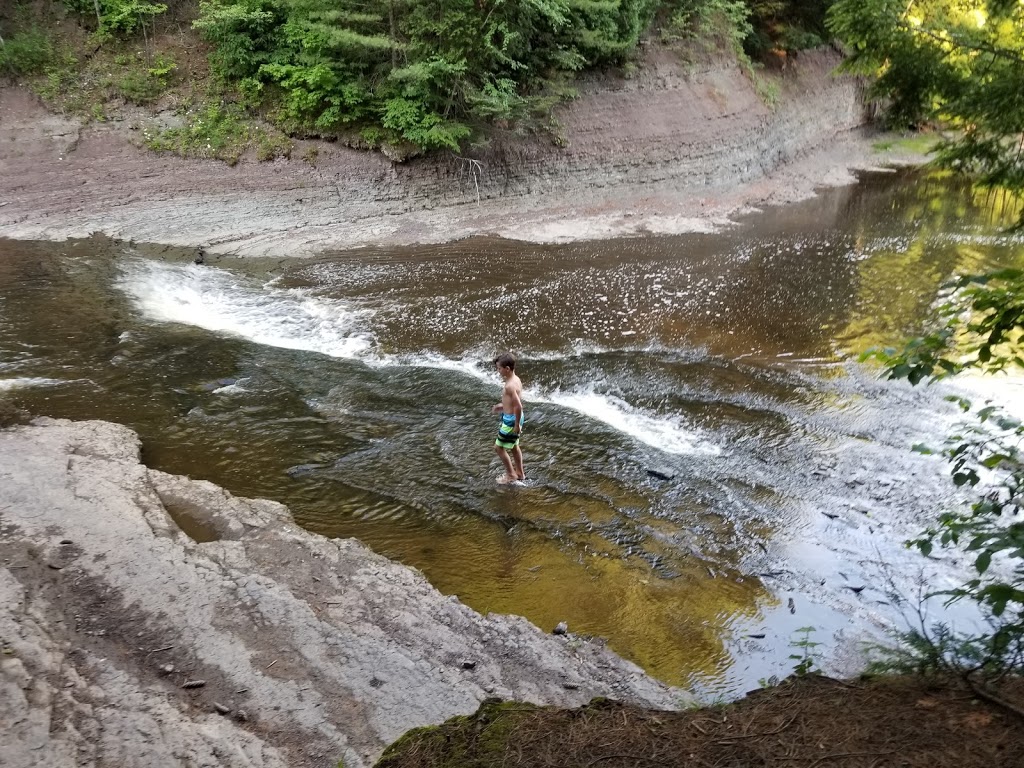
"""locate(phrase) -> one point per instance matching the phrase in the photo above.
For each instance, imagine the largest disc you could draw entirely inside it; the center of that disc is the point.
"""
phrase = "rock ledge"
(148, 619)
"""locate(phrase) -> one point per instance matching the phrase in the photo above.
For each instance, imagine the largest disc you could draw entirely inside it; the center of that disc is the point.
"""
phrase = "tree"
(957, 63)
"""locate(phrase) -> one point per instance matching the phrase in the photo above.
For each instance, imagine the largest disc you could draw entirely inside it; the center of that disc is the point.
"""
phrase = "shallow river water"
(711, 469)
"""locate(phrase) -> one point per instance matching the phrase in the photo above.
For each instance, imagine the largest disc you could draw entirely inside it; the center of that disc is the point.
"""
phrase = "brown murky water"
(692, 409)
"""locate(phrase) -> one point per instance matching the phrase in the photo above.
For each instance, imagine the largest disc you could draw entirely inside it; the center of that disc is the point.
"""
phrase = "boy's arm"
(517, 411)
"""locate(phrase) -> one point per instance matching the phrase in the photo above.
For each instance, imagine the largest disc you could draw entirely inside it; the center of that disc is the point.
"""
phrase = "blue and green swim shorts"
(506, 437)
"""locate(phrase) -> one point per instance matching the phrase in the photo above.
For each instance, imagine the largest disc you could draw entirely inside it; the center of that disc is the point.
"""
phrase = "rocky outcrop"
(151, 620)
(674, 148)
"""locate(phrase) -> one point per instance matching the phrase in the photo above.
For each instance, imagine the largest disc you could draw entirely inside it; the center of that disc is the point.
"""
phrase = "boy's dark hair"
(507, 360)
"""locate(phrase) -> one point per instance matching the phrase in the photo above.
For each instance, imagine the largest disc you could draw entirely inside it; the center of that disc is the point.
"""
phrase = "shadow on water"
(691, 409)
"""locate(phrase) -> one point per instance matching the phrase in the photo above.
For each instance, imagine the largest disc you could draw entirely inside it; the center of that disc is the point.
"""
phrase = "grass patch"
(220, 131)
(143, 80)
(915, 143)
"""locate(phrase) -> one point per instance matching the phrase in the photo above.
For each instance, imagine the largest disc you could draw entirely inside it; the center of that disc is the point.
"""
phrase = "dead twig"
(993, 698)
(725, 740)
(841, 755)
(597, 760)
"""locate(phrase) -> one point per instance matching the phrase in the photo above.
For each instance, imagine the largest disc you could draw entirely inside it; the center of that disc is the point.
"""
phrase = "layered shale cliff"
(673, 148)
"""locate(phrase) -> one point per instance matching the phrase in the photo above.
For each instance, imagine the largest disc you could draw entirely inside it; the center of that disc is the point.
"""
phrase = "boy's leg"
(517, 462)
(510, 472)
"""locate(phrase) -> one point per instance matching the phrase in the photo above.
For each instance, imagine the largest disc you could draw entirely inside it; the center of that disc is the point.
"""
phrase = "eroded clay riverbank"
(148, 619)
(676, 148)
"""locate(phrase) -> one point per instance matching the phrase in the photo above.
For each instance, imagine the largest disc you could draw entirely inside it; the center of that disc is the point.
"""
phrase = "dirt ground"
(810, 722)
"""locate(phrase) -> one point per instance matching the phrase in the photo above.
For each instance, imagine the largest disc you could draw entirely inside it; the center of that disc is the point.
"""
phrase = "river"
(710, 467)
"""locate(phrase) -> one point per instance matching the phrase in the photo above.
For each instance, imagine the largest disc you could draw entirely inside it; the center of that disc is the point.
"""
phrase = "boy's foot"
(520, 483)
(504, 479)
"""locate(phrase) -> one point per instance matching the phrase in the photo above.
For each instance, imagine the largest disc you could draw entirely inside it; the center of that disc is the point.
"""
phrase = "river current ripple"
(711, 468)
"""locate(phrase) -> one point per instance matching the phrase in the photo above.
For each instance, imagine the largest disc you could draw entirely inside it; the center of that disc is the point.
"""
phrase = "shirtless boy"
(511, 427)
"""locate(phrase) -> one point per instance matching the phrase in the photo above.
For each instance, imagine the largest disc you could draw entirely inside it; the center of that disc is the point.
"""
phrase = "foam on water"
(219, 301)
(666, 433)
(27, 381)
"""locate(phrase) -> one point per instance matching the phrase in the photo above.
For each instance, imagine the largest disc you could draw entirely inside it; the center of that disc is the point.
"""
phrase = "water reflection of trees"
(911, 241)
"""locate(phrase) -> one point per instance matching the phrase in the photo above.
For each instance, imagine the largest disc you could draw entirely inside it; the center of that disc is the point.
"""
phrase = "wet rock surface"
(265, 646)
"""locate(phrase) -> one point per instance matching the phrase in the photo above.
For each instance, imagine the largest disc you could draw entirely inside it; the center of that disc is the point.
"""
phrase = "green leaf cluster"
(26, 52)
(117, 16)
(959, 63)
(982, 328)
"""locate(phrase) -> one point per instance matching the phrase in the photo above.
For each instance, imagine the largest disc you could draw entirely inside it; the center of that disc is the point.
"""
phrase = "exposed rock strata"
(128, 643)
(669, 150)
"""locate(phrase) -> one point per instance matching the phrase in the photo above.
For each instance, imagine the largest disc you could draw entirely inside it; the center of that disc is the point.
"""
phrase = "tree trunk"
(394, 35)
(99, 16)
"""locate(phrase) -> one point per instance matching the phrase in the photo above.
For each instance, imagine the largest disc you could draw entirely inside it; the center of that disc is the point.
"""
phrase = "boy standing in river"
(511, 428)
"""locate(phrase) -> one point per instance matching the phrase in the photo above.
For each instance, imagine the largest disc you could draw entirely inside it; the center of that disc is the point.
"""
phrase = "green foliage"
(243, 32)
(938, 651)
(806, 657)
(429, 73)
(405, 75)
(786, 25)
(956, 62)
(982, 327)
(979, 324)
(990, 526)
(117, 16)
(219, 131)
(26, 53)
(713, 22)
(144, 83)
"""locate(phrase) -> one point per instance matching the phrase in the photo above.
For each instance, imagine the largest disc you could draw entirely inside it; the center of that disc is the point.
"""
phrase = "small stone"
(65, 542)
(242, 716)
(221, 708)
(193, 684)
(468, 664)
(571, 686)
(855, 589)
(560, 629)
(56, 566)
(661, 474)
(167, 669)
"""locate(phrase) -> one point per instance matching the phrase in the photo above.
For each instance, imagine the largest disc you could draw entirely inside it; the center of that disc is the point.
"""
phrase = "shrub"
(26, 53)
